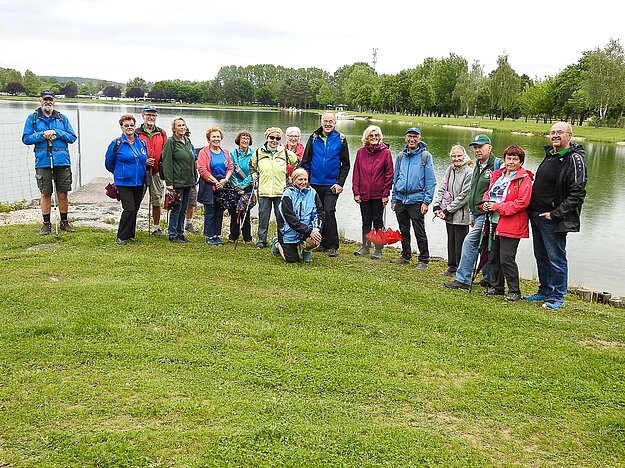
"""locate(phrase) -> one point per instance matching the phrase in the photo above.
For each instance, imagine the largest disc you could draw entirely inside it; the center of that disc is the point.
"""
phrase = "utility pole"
(375, 57)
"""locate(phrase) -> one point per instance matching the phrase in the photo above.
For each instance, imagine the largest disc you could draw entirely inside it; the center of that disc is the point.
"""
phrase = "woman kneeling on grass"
(300, 221)
(506, 202)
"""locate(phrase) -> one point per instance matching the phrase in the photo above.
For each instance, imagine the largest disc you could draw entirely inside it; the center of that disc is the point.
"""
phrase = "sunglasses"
(274, 138)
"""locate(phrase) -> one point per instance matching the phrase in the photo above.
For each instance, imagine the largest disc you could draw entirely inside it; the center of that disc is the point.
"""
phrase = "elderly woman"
(126, 158)
(268, 167)
(242, 182)
(215, 168)
(371, 183)
(450, 204)
(180, 175)
(300, 220)
(506, 202)
(293, 136)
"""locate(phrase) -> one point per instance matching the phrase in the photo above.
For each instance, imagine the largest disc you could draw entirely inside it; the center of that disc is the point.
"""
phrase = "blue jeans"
(264, 215)
(213, 219)
(550, 254)
(464, 273)
(177, 214)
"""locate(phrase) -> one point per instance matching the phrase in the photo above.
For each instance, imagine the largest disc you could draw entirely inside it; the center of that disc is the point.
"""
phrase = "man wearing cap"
(326, 158)
(557, 198)
(51, 133)
(414, 182)
(154, 138)
(486, 163)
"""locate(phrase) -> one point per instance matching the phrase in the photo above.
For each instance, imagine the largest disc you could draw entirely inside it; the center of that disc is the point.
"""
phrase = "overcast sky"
(191, 39)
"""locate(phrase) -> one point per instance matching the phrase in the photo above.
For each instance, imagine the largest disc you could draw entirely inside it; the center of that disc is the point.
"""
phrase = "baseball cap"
(480, 140)
(46, 93)
(413, 130)
(149, 109)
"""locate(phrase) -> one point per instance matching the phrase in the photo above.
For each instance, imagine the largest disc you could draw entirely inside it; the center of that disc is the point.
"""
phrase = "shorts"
(193, 197)
(157, 190)
(62, 179)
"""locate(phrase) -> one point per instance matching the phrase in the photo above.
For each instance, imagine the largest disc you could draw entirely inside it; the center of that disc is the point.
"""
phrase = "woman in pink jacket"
(371, 183)
(506, 202)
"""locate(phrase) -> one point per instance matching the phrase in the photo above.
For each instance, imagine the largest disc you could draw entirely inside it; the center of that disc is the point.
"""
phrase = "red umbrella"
(384, 236)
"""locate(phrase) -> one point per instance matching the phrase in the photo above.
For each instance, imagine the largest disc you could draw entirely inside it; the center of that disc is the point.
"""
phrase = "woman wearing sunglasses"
(268, 168)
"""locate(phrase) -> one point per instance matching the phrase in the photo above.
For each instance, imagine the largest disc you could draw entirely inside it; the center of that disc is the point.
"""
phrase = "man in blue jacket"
(326, 158)
(51, 133)
(413, 190)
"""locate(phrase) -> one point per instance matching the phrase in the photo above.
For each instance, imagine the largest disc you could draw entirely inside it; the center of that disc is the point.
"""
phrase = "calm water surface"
(595, 254)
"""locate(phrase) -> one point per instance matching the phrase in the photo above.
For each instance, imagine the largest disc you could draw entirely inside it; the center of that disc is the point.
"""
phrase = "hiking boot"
(455, 284)
(176, 240)
(219, 241)
(260, 245)
(492, 292)
(320, 249)
(119, 241)
(65, 226)
(307, 256)
(400, 261)
(377, 255)
(536, 298)
(274, 247)
(157, 232)
(421, 266)
(553, 305)
(512, 297)
(362, 251)
(333, 253)
(190, 228)
(183, 238)
(45, 229)
(448, 272)
(212, 241)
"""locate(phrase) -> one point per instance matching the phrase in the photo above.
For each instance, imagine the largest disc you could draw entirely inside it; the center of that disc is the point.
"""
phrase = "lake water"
(595, 254)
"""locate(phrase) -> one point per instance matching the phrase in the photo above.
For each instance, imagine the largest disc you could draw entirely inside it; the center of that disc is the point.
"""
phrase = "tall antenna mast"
(375, 57)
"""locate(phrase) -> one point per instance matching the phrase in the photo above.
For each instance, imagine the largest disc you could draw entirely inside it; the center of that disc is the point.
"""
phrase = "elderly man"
(51, 133)
(486, 163)
(154, 139)
(557, 197)
(414, 182)
(326, 159)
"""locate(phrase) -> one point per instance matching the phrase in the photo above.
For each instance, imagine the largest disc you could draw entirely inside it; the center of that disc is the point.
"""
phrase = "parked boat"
(344, 116)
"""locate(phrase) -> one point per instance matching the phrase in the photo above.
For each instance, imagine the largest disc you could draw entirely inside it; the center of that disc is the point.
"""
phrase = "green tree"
(266, 96)
(604, 80)
(69, 89)
(137, 82)
(358, 86)
(326, 94)
(238, 91)
(32, 83)
(422, 95)
(505, 86)
(467, 88)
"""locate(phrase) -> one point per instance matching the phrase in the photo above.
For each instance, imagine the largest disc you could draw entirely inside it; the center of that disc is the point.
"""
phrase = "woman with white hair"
(268, 168)
(293, 143)
(450, 204)
(371, 183)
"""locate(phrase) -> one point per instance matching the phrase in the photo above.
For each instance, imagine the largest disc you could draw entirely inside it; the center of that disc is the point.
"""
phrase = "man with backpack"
(154, 139)
(414, 182)
(51, 133)
(485, 164)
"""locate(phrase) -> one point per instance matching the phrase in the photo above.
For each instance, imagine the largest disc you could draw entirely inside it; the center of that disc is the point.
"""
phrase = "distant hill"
(79, 79)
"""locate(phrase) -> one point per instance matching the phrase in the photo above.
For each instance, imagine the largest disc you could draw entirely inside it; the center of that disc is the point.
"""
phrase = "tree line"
(591, 90)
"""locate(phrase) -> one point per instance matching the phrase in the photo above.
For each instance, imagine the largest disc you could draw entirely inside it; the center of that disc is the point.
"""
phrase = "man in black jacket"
(557, 197)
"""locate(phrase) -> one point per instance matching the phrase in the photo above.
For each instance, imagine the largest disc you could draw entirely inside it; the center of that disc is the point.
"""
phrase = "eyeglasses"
(374, 135)
(327, 122)
(128, 125)
(413, 137)
(558, 132)
(292, 136)
(274, 138)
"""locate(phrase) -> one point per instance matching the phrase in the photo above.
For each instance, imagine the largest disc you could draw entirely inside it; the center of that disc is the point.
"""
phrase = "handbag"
(111, 191)
(205, 192)
(226, 197)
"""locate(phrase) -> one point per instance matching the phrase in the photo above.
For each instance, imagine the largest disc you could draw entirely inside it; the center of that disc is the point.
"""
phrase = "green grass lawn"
(155, 354)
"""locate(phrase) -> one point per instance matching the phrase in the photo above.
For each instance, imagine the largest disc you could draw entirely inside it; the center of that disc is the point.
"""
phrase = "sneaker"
(535, 298)
(247, 242)
(219, 241)
(421, 266)
(45, 229)
(377, 255)
(65, 226)
(274, 247)
(190, 228)
(512, 297)
(400, 261)
(183, 238)
(483, 282)
(157, 232)
(332, 253)
(307, 256)
(448, 272)
(553, 305)
(455, 284)
(320, 249)
(119, 241)
(176, 240)
(212, 241)
(362, 252)
(492, 292)
(260, 245)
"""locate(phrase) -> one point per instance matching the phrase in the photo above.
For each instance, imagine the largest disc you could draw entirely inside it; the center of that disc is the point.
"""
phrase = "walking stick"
(54, 197)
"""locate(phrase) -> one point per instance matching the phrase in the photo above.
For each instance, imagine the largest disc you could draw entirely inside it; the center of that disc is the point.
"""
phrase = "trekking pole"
(149, 215)
(54, 199)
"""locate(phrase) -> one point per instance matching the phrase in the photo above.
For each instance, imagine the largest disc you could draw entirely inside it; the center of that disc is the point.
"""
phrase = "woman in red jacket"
(506, 202)
(371, 183)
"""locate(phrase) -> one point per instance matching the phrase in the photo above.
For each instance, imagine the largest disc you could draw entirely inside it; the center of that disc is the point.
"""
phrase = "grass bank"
(154, 354)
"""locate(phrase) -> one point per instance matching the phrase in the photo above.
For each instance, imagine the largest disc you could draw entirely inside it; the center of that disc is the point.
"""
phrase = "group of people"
(487, 205)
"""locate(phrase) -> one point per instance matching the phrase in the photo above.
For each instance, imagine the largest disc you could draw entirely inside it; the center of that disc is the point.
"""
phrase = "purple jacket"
(373, 172)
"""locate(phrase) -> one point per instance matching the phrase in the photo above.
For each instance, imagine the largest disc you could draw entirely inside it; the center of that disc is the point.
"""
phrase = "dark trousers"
(455, 237)
(407, 214)
(241, 226)
(131, 201)
(213, 219)
(329, 232)
(502, 264)
(371, 212)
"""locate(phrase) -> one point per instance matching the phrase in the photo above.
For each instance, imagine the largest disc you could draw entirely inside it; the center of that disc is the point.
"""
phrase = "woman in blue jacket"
(126, 159)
